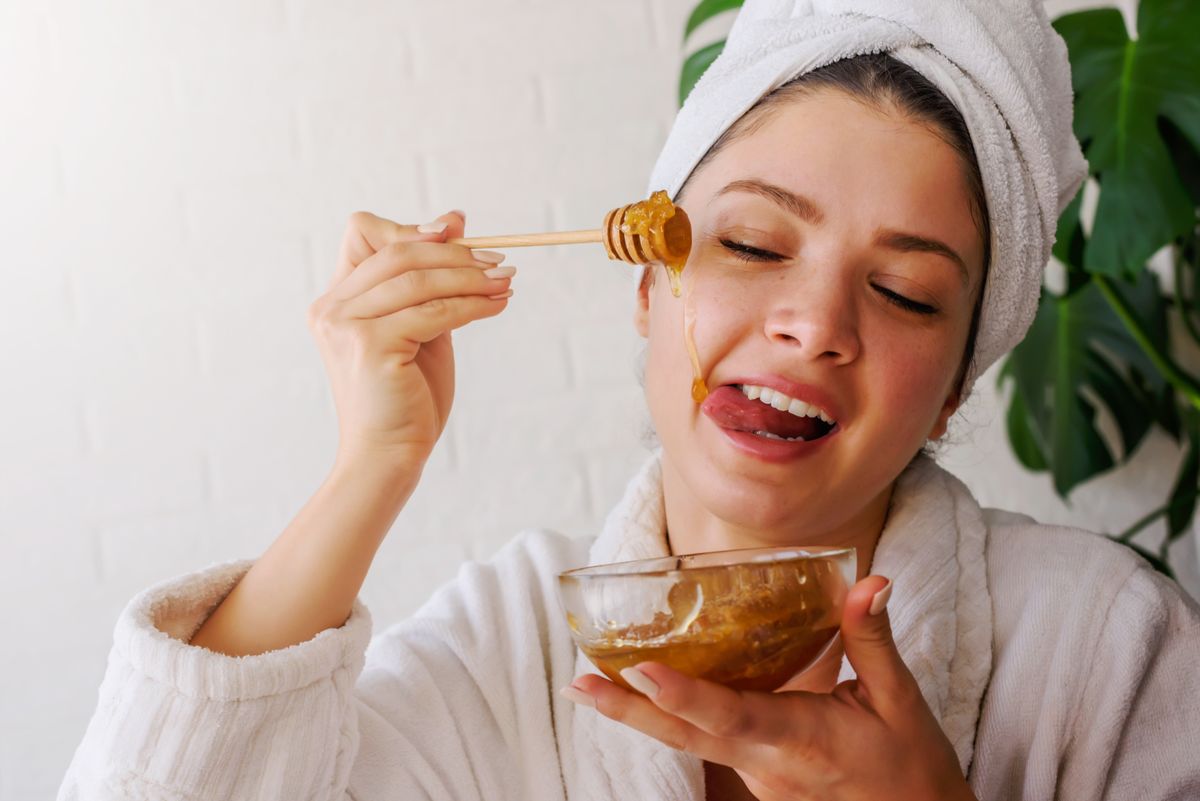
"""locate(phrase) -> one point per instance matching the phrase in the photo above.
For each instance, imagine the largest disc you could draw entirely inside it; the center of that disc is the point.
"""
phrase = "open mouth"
(767, 413)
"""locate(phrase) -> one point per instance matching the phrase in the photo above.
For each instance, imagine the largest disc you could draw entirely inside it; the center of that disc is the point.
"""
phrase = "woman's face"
(857, 299)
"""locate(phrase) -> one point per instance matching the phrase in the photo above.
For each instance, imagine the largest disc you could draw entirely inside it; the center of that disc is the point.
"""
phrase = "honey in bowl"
(748, 619)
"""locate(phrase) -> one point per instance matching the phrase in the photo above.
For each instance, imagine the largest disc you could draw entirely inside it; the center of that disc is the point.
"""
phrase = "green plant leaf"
(706, 10)
(1024, 443)
(1122, 86)
(1183, 494)
(1122, 397)
(1185, 155)
(1069, 240)
(695, 65)
(1160, 402)
(1186, 385)
(1077, 356)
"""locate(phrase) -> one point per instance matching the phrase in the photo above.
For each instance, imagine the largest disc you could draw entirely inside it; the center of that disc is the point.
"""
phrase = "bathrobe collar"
(932, 548)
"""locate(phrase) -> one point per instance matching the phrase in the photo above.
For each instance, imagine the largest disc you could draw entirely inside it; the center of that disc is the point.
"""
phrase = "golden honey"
(653, 230)
(664, 225)
(747, 631)
(699, 387)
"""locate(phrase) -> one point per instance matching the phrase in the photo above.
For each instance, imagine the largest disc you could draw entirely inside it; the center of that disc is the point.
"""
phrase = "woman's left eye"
(908, 304)
(748, 253)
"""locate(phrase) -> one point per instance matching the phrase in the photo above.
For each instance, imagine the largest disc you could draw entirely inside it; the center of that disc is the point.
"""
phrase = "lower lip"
(776, 451)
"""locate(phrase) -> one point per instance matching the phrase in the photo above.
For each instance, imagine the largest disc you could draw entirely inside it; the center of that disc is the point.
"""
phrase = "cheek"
(669, 372)
(718, 313)
(665, 355)
(914, 372)
(666, 323)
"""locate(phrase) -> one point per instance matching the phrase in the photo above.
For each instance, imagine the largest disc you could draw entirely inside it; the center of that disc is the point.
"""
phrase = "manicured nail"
(880, 601)
(501, 296)
(640, 681)
(578, 696)
(489, 256)
(432, 228)
(508, 271)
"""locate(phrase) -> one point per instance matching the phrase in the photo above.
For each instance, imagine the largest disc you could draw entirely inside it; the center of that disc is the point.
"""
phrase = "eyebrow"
(810, 212)
(799, 205)
(911, 243)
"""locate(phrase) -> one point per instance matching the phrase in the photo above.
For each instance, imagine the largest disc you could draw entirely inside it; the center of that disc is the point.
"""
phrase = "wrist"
(404, 464)
(387, 478)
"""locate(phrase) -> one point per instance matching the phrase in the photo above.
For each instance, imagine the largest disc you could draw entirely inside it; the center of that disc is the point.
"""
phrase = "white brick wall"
(174, 180)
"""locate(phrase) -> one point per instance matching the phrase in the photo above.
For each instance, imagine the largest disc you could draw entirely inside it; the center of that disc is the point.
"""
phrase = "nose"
(818, 319)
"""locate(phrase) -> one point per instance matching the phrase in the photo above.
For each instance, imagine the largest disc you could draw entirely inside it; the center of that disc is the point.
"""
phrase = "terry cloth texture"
(1063, 671)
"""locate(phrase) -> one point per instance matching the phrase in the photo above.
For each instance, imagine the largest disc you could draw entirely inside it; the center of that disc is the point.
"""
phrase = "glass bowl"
(749, 619)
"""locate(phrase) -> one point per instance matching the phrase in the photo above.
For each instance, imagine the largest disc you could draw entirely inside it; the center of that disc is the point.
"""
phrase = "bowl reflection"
(749, 619)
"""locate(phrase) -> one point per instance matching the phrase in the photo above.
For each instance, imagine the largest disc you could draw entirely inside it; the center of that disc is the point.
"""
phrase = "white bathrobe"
(1060, 665)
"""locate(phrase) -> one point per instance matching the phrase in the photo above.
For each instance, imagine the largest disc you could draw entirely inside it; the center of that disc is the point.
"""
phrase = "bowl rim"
(786, 553)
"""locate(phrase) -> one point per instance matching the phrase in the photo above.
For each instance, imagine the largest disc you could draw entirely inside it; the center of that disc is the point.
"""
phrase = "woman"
(858, 249)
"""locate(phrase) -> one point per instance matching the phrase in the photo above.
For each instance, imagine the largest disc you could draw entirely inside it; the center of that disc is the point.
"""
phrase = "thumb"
(867, 638)
(455, 222)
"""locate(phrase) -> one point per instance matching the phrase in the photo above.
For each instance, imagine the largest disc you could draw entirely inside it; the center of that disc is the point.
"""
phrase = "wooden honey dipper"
(654, 229)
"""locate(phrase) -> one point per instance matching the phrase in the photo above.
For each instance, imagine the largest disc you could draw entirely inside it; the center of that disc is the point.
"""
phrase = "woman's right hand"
(383, 330)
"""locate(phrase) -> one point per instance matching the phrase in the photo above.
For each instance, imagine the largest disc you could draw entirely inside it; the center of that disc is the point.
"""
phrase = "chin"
(747, 504)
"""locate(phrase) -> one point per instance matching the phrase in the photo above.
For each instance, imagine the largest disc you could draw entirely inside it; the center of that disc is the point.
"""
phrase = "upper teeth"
(783, 403)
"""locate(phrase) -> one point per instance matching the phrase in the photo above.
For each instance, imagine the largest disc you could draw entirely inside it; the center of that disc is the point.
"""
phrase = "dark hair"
(878, 79)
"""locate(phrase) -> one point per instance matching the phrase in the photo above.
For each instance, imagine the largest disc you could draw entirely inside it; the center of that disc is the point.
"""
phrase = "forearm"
(308, 579)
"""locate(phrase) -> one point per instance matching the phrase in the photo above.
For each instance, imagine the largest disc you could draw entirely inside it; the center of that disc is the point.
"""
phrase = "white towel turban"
(998, 61)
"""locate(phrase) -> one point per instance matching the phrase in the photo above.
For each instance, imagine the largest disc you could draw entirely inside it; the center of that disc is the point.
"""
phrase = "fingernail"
(577, 696)
(640, 681)
(880, 601)
(431, 228)
(490, 256)
(501, 296)
(508, 271)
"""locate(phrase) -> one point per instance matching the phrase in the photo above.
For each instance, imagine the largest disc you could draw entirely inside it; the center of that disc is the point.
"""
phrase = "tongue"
(729, 408)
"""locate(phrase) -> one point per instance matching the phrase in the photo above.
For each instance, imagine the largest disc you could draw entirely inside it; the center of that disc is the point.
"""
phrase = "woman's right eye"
(748, 253)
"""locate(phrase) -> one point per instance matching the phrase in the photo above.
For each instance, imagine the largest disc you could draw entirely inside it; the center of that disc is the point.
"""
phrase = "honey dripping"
(699, 388)
(648, 219)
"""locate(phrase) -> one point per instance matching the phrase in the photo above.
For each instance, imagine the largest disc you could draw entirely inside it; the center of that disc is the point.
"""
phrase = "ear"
(641, 312)
(953, 401)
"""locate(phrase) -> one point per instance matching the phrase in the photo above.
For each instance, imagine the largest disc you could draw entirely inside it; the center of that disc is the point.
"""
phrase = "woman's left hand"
(873, 737)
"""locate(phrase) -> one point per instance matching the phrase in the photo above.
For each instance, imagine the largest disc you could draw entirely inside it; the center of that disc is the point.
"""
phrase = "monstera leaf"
(1102, 344)
(1077, 355)
(1123, 88)
(695, 64)
(1077, 358)
(706, 10)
